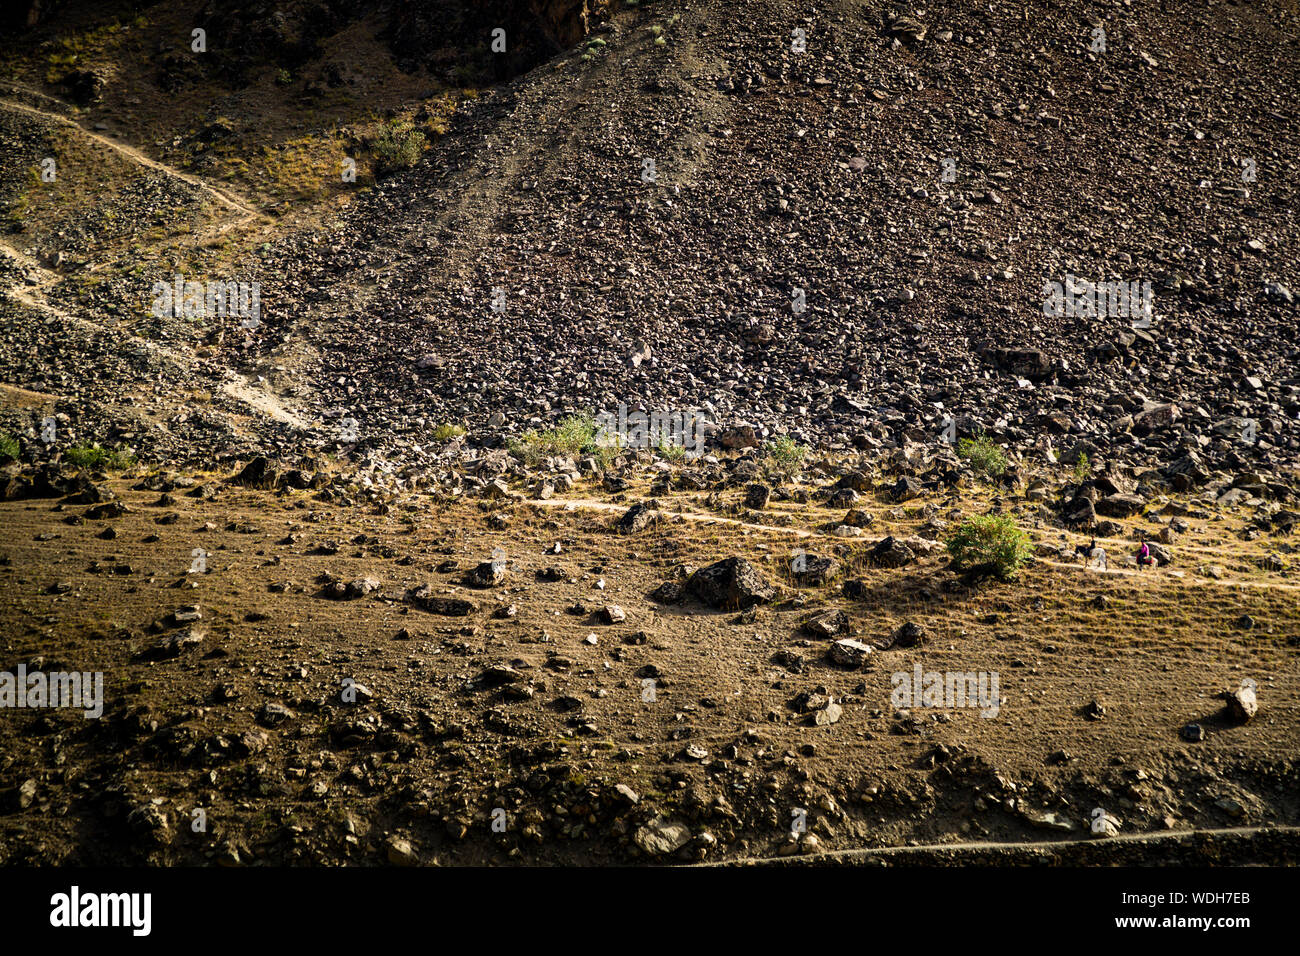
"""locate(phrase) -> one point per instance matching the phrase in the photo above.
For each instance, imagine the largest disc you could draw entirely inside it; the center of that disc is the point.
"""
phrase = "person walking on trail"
(1144, 553)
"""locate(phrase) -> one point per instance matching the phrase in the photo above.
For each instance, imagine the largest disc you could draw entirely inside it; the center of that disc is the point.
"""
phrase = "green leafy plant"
(1082, 467)
(671, 450)
(983, 455)
(575, 435)
(93, 456)
(8, 447)
(783, 457)
(989, 544)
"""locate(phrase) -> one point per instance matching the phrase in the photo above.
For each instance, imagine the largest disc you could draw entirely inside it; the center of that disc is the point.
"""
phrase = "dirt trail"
(232, 202)
(260, 401)
(263, 402)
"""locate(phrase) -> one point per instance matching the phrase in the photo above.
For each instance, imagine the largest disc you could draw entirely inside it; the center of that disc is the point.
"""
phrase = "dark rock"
(907, 635)
(891, 553)
(258, 473)
(424, 598)
(635, 519)
(731, 584)
(849, 653)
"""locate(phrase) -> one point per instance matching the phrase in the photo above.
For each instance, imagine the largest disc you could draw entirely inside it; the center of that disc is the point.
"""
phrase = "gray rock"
(849, 653)
(891, 553)
(661, 837)
(1242, 704)
(731, 584)
(636, 518)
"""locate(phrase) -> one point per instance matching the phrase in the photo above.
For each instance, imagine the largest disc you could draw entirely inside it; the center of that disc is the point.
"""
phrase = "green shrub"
(8, 447)
(1082, 467)
(446, 432)
(671, 450)
(783, 456)
(398, 146)
(92, 456)
(573, 436)
(990, 544)
(983, 455)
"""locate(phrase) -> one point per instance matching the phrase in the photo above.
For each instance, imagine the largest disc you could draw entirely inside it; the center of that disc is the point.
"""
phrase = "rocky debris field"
(646, 208)
(821, 172)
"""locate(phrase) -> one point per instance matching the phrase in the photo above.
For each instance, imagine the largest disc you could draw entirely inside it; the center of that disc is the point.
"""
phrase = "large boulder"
(891, 553)
(258, 473)
(636, 518)
(1120, 506)
(810, 570)
(732, 583)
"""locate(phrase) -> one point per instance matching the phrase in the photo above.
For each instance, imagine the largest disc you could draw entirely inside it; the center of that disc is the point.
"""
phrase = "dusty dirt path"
(227, 199)
(260, 401)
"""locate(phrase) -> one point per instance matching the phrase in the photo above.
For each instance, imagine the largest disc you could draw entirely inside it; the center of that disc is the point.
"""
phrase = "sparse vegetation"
(93, 456)
(989, 544)
(446, 432)
(9, 448)
(397, 146)
(1082, 467)
(783, 457)
(983, 454)
(573, 436)
(671, 451)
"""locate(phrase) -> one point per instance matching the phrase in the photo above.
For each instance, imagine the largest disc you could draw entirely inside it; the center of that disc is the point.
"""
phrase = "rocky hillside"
(775, 232)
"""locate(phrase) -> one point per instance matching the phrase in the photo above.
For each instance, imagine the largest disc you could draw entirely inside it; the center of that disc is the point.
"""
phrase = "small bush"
(671, 451)
(1082, 467)
(447, 432)
(8, 447)
(398, 146)
(984, 456)
(573, 436)
(783, 456)
(990, 544)
(92, 456)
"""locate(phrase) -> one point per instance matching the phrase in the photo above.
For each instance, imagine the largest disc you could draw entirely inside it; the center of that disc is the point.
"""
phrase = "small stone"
(849, 653)
(400, 852)
(661, 837)
(1242, 704)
